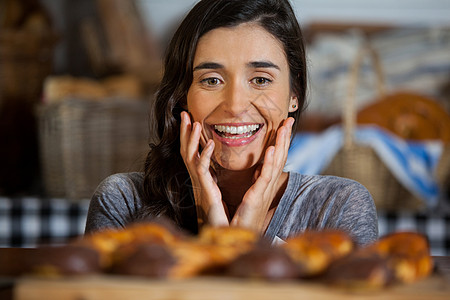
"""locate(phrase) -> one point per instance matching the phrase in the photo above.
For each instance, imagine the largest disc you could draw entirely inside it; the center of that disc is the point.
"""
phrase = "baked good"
(145, 259)
(264, 262)
(58, 88)
(408, 115)
(361, 270)
(401, 257)
(212, 250)
(408, 254)
(183, 256)
(226, 243)
(315, 250)
(109, 241)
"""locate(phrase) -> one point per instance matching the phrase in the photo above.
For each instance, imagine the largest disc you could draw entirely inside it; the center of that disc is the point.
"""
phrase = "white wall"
(162, 14)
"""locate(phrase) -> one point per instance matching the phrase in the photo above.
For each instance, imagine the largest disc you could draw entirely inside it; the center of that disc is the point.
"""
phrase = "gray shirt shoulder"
(116, 201)
(321, 202)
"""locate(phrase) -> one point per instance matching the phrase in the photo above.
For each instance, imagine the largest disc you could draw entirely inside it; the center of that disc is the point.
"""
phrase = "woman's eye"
(261, 81)
(211, 81)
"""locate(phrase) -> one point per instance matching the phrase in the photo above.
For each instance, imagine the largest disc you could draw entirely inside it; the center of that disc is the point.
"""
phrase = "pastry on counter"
(400, 257)
(314, 251)
(265, 262)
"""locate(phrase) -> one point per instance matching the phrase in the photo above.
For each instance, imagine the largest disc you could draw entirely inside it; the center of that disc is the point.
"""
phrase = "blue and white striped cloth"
(412, 163)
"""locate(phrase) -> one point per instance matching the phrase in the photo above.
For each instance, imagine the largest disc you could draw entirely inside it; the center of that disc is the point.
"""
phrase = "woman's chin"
(237, 163)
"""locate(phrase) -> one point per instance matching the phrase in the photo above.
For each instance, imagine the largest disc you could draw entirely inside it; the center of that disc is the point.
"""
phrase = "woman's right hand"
(208, 199)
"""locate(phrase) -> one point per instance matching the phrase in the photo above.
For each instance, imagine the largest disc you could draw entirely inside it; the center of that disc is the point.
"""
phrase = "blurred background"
(77, 79)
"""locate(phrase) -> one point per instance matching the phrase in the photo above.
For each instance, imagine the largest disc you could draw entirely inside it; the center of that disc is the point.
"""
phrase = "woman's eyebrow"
(208, 65)
(263, 64)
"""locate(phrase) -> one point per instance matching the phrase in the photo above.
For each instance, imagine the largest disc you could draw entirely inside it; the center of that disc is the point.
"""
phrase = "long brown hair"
(167, 183)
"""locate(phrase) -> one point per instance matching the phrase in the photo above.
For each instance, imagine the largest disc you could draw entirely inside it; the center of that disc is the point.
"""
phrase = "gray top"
(309, 202)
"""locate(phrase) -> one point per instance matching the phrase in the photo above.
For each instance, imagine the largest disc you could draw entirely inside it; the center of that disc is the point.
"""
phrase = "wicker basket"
(360, 162)
(83, 141)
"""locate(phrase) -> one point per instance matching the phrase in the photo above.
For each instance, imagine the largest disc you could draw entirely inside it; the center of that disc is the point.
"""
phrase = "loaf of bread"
(408, 254)
(314, 251)
(401, 257)
(264, 262)
(408, 115)
(112, 243)
(58, 88)
(144, 259)
(211, 251)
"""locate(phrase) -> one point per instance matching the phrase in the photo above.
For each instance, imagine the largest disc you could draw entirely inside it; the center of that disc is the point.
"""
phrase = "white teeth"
(236, 129)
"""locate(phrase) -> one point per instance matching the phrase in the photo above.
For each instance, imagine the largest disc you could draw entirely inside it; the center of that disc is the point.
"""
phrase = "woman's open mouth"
(236, 135)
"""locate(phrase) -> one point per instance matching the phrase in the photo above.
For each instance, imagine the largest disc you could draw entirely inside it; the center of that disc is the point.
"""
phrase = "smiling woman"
(233, 67)
(232, 92)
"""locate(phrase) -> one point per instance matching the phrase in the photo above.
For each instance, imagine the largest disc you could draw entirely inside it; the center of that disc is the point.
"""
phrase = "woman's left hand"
(253, 211)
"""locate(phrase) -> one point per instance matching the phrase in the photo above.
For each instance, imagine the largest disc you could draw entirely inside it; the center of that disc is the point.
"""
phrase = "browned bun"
(361, 270)
(228, 236)
(397, 257)
(315, 250)
(108, 242)
(226, 243)
(149, 260)
(264, 262)
(212, 250)
(408, 254)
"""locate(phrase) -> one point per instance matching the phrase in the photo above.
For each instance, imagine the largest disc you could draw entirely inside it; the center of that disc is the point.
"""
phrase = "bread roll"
(315, 250)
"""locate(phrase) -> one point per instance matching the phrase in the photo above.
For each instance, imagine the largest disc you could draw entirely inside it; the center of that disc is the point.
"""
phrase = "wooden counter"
(115, 287)
(96, 287)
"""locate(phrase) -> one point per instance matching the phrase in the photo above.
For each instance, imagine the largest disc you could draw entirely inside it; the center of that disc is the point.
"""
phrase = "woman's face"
(240, 93)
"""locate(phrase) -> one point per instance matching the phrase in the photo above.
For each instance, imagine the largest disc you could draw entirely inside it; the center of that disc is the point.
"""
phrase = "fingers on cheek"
(185, 133)
(289, 131)
(205, 157)
(266, 172)
(185, 126)
(281, 136)
(283, 142)
(280, 146)
(287, 141)
(194, 133)
(192, 142)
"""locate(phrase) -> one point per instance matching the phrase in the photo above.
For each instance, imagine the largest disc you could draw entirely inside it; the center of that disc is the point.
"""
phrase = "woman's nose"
(237, 100)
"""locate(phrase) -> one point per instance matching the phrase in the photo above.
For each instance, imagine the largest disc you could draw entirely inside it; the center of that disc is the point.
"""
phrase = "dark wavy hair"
(167, 186)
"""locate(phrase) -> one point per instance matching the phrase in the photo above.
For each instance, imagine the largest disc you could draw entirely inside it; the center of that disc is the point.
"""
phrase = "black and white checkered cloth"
(29, 222)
